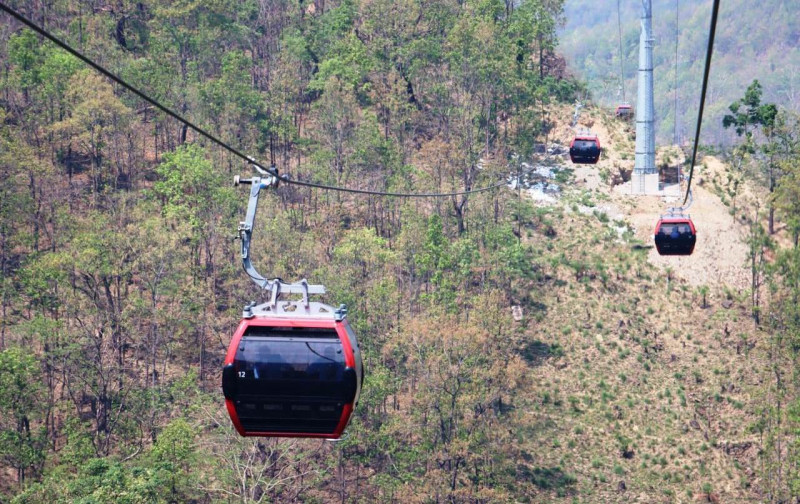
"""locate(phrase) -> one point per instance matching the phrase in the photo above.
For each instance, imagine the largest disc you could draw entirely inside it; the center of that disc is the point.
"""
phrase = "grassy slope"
(636, 363)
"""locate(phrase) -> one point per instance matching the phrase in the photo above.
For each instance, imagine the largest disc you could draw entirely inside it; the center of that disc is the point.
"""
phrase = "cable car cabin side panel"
(350, 362)
(676, 236)
(292, 378)
(585, 150)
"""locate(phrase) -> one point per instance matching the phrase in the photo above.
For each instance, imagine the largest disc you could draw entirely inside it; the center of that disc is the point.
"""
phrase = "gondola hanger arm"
(245, 231)
(579, 130)
(681, 210)
(577, 114)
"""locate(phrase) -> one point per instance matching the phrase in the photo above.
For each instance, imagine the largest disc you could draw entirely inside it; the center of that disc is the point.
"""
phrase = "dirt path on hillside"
(720, 256)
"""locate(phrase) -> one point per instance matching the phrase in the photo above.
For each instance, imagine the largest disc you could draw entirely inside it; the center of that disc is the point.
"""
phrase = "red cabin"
(585, 149)
(675, 235)
(624, 111)
(292, 373)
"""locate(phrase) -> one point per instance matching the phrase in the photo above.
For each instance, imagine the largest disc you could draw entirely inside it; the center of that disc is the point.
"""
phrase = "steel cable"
(269, 169)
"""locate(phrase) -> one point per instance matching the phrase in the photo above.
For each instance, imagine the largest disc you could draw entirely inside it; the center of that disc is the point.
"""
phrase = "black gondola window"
(290, 359)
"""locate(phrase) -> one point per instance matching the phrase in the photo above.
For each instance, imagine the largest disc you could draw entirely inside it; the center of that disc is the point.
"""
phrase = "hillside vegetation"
(755, 40)
(517, 348)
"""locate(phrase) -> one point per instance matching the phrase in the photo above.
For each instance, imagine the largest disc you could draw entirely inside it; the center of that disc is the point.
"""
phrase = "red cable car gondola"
(293, 368)
(675, 235)
(585, 149)
(624, 111)
(292, 373)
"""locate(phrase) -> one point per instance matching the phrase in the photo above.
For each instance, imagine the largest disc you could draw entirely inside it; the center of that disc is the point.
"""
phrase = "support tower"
(645, 173)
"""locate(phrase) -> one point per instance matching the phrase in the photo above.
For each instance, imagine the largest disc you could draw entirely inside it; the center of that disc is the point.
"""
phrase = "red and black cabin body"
(624, 111)
(675, 236)
(290, 377)
(585, 149)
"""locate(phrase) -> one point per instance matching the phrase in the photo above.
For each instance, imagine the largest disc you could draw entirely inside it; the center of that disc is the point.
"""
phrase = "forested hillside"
(121, 285)
(755, 40)
(523, 344)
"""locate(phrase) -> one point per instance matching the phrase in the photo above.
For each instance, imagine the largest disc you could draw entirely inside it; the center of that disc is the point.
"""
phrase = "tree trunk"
(771, 205)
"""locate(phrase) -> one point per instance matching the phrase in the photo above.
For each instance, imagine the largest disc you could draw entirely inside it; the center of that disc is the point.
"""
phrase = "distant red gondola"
(585, 149)
(297, 374)
(624, 111)
(675, 235)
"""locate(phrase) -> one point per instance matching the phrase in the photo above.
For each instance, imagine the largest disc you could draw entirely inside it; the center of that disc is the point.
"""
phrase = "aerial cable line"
(271, 170)
(709, 52)
(677, 37)
(621, 62)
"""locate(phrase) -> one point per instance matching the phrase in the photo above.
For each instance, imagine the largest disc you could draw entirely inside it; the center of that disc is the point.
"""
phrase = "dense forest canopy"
(120, 288)
(755, 40)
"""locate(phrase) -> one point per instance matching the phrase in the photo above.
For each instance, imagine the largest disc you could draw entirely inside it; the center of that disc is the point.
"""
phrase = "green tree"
(96, 115)
(787, 198)
(747, 114)
(174, 456)
(23, 436)
(232, 104)
(460, 396)
(25, 53)
(194, 197)
(758, 243)
(785, 152)
(17, 227)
